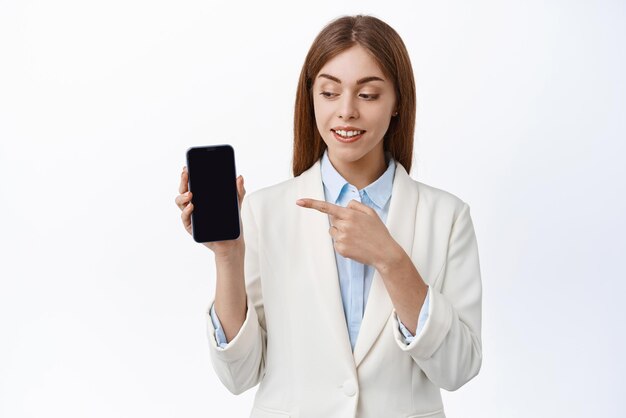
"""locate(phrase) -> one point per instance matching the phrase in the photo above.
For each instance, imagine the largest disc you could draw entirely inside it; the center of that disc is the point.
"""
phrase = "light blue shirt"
(355, 279)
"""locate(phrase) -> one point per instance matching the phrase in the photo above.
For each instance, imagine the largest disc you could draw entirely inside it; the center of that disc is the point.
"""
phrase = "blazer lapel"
(401, 226)
(315, 226)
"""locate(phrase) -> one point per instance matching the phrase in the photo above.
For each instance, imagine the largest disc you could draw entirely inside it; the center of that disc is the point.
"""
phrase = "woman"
(355, 290)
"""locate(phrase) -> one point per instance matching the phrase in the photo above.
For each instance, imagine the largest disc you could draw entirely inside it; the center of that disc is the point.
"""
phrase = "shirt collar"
(379, 191)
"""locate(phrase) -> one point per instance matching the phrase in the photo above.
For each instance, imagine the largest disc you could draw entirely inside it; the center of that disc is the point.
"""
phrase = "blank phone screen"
(212, 182)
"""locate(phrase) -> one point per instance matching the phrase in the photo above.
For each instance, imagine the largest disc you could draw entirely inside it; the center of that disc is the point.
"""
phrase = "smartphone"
(213, 184)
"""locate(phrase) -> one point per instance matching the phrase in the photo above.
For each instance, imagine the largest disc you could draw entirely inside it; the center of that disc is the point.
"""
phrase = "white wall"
(103, 294)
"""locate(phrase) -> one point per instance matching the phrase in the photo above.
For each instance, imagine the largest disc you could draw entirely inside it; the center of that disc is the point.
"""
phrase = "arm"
(449, 348)
(240, 365)
(230, 291)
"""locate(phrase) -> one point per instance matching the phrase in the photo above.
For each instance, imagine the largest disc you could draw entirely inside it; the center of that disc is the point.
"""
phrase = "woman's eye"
(369, 96)
(365, 96)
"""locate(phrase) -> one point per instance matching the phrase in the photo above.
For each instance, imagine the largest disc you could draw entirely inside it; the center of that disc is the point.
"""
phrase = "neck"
(363, 172)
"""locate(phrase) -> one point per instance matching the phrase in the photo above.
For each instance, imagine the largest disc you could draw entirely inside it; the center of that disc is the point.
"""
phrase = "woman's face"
(353, 103)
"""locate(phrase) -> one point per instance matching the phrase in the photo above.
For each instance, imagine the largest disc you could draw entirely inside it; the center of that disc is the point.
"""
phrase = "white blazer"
(295, 341)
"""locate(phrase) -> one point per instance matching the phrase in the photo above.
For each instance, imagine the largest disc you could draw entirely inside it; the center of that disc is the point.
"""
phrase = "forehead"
(351, 65)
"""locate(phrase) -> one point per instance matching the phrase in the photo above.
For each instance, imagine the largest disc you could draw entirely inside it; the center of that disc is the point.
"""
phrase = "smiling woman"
(368, 301)
(354, 104)
(355, 58)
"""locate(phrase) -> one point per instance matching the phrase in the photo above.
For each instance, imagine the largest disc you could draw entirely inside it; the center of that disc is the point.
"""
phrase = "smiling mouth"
(347, 136)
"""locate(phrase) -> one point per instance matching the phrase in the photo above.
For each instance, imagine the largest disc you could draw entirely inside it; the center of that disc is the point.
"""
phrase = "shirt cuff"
(220, 337)
(421, 320)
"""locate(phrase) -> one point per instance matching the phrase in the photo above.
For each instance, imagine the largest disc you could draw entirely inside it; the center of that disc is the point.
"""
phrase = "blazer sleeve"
(449, 349)
(241, 364)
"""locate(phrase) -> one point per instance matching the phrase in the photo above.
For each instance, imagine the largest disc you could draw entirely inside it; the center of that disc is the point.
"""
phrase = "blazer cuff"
(243, 342)
(435, 329)
(422, 318)
(220, 337)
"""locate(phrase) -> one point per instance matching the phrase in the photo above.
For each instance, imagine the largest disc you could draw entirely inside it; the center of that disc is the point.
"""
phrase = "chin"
(348, 155)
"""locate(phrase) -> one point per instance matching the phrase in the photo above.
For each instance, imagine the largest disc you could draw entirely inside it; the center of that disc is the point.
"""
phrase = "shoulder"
(286, 190)
(438, 204)
(429, 198)
(270, 195)
(434, 196)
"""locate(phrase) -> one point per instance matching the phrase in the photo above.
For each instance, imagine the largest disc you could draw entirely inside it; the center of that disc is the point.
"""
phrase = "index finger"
(323, 207)
(183, 182)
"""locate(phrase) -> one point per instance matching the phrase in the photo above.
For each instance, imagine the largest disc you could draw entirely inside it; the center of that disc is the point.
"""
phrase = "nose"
(347, 108)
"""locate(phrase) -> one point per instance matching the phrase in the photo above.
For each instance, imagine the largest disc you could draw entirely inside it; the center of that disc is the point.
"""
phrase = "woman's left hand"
(358, 232)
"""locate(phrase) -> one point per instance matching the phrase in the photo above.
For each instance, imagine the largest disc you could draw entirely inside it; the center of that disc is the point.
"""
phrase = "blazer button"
(349, 388)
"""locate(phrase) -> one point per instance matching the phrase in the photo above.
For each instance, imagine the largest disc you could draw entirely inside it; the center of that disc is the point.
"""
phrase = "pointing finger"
(323, 207)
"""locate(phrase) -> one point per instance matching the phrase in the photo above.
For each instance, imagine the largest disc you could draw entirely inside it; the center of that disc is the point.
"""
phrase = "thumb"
(241, 190)
(361, 207)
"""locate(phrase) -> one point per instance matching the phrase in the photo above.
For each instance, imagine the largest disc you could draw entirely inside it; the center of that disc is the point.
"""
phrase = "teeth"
(348, 134)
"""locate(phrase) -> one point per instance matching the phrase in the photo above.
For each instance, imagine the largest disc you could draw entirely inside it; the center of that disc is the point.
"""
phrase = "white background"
(521, 113)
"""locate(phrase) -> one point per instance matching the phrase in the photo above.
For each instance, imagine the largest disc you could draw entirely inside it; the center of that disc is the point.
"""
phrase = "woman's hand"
(223, 249)
(358, 232)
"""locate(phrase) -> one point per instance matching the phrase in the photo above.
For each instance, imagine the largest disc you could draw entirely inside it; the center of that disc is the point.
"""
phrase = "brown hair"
(387, 48)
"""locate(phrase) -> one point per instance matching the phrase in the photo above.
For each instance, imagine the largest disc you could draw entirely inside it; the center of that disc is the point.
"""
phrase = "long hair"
(387, 48)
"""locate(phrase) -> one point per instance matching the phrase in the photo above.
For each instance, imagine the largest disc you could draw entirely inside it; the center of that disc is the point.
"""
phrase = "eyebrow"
(359, 81)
